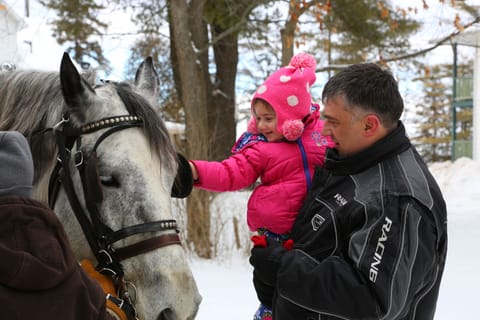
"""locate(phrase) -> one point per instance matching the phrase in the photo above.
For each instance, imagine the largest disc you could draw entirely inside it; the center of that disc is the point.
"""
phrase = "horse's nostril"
(166, 314)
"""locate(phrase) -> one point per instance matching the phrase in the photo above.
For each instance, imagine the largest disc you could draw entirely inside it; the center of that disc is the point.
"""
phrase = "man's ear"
(372, 125)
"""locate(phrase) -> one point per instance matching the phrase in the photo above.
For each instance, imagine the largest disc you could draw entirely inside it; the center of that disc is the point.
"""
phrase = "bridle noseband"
(100, 237)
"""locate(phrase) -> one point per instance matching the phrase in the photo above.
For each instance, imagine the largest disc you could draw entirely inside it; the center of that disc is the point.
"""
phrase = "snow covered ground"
(225, 282)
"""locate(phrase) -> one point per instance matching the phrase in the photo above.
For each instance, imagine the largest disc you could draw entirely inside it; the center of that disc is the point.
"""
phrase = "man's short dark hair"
(370, 88)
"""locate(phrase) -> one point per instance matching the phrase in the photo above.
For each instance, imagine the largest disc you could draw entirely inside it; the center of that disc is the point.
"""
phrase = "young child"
(39, 276)
(282, 146)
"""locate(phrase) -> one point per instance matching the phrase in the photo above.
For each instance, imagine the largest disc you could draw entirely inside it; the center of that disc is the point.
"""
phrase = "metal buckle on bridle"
(129, 285)
(118, 302)
(60, 159)
(105, 263)
(107, 254)
(65, 119)
(78, 158)
(59, 128)
(126, 306)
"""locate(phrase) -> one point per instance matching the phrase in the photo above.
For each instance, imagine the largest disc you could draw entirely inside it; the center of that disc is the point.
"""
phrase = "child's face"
(266, 121)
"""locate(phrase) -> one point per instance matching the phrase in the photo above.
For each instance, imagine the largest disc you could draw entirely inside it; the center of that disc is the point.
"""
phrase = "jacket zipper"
(305, 164)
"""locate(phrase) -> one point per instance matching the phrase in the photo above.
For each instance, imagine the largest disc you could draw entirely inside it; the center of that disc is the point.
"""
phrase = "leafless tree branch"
(412, 54)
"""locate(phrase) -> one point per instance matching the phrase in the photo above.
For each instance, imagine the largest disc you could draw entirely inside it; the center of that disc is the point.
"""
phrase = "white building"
(472, 39)
(10, 24)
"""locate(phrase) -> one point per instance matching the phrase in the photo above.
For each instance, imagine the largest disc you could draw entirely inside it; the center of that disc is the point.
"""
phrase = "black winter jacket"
(371, 239)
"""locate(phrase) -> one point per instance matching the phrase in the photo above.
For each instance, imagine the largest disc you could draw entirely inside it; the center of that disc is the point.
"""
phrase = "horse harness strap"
(99, 236)
(146, 245)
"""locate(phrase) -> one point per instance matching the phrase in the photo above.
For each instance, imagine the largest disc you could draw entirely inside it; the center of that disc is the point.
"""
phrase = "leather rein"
(100, 237)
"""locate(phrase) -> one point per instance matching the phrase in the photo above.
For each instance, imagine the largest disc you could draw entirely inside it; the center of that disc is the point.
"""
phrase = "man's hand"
(266, 261)
(264, 291)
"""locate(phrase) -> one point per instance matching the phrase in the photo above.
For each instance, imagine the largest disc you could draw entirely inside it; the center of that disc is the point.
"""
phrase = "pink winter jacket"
(285, 169)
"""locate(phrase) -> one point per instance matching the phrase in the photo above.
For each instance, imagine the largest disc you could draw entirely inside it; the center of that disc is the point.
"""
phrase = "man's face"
(345, 129)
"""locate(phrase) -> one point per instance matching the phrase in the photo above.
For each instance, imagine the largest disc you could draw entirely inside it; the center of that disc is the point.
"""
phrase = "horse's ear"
(146, 79)
(90, 76)
(75, 89)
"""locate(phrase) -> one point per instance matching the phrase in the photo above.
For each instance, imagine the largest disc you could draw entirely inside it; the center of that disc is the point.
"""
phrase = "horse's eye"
(109, 181)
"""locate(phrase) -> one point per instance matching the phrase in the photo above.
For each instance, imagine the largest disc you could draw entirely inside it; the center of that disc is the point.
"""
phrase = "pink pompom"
(303, 60)
(292, 129)
(252, 126)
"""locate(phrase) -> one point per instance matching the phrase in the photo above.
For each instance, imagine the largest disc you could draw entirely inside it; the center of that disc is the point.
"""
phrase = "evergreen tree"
(74, 27)
(367, 30)
(434, 114)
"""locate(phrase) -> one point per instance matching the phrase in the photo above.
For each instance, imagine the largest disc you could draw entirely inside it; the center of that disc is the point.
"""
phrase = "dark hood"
(34, 250)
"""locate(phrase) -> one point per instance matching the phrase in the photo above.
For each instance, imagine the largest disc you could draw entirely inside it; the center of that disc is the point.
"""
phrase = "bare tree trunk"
(222, 110)
(209, 108)
(198, 208)
(287, 33)
(187, 30)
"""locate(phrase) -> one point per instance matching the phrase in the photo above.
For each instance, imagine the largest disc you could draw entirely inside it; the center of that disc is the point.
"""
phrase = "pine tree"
(434, 119)
(434, 114)
(75, 25)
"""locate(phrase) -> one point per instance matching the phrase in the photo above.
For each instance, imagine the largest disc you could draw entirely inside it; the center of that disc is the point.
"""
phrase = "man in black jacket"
(371, 237)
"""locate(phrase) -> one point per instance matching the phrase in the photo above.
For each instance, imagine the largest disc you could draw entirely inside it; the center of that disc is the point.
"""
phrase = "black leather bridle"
(100, 237)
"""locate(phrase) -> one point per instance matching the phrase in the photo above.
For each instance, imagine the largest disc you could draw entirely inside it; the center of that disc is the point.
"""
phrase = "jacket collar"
(392, 144)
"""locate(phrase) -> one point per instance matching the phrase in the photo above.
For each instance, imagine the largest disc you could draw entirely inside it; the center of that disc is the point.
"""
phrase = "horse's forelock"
(154, 127)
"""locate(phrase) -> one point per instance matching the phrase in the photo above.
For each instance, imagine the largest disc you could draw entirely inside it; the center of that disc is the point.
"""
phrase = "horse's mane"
(31, 101)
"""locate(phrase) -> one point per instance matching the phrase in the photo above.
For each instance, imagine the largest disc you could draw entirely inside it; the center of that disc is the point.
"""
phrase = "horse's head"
(123, 168)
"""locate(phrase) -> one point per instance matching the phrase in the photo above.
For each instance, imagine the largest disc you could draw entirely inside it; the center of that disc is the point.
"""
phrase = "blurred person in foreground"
(40, 277)
(370, 241)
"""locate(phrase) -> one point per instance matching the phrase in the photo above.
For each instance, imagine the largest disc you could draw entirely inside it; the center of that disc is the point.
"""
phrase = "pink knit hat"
(287, 90)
